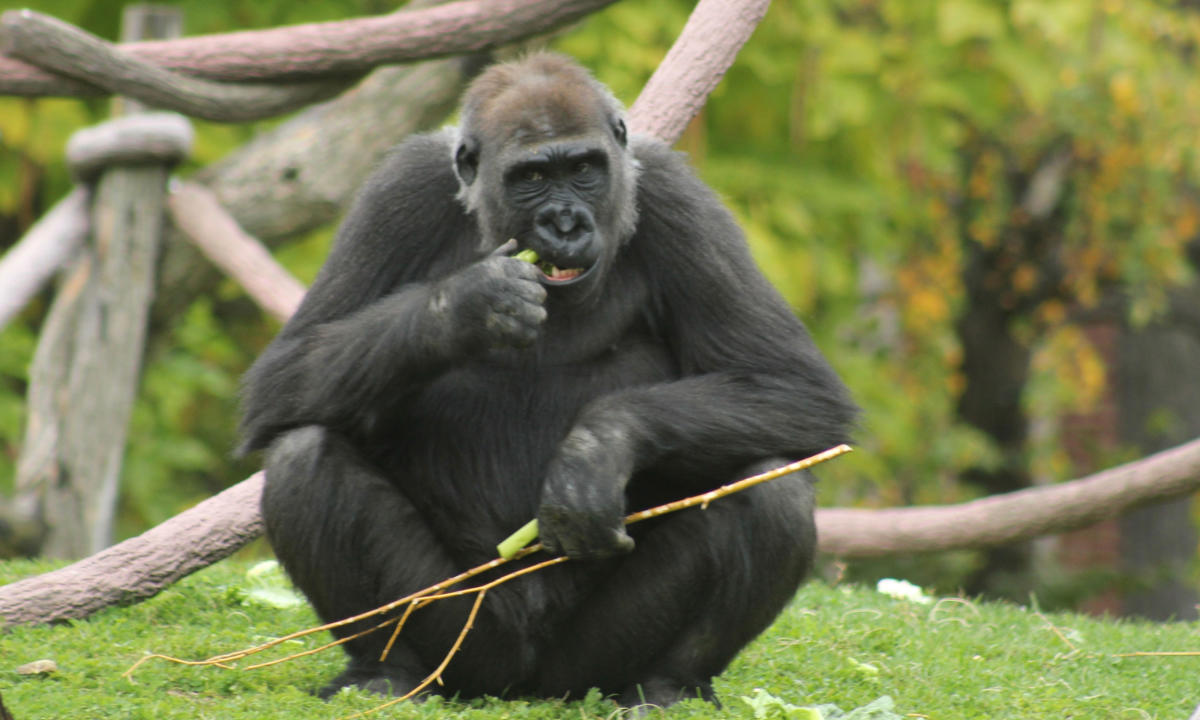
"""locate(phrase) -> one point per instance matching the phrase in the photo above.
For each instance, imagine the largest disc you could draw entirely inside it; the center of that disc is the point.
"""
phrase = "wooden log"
(66, 49)
(88, 362)
(141, 566)
(320, 50)
(145, 139)
(87, 365)
(696, 62)
(42, 252)
(196, 212)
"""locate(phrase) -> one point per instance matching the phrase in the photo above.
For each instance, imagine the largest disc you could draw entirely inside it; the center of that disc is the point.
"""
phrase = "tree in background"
(982, 209)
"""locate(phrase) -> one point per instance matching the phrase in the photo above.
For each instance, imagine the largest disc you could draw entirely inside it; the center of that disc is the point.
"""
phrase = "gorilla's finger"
(506, 247)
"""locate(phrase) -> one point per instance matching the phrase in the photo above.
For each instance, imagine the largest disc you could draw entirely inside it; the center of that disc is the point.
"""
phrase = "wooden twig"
(226, 658)
(480, 592)
(326, 646)
(441, 590)
(704, 499)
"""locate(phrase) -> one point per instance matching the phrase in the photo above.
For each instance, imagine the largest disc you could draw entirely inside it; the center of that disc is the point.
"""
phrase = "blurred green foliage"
(866, 145)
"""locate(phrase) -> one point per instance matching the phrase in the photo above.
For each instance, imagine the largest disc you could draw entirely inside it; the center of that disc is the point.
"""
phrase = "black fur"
(429, 397)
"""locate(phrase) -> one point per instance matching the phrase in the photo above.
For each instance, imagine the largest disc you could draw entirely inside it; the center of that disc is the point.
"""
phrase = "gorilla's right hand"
(493, 303)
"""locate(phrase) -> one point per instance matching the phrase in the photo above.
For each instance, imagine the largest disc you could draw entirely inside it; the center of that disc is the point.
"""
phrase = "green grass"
(848, 646)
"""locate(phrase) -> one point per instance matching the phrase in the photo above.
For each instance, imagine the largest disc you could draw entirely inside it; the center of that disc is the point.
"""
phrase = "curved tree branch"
(704, 51)
(339, 49)
(44, 249)
(1015, 516)
(62, 47)
(196, 212)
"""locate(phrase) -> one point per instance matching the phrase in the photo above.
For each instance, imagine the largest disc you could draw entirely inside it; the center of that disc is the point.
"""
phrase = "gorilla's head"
(542, 157)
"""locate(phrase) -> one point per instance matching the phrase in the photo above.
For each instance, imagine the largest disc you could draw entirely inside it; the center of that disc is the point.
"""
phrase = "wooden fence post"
(87, 365)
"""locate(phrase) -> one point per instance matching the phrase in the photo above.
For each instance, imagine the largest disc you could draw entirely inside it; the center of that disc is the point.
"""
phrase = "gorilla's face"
(545, 161)
(557, 195)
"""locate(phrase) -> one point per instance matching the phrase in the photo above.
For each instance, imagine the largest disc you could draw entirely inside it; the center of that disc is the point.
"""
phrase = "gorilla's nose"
(560, 220)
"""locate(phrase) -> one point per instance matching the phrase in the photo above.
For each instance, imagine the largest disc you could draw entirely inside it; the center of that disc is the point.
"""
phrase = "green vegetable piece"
(528, 256)
(513, 543)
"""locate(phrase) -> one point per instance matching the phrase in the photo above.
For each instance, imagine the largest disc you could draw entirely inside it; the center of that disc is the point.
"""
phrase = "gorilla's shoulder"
(425, 150)
(666, 178)
(419, 163)
(656, 160)
(676, 209)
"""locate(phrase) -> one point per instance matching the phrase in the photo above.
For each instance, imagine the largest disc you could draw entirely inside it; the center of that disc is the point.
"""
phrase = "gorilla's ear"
(619, 132)
(466, 160)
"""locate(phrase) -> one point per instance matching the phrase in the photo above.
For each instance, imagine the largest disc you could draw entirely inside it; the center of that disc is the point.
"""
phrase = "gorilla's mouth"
(560, 276)
(553, 274)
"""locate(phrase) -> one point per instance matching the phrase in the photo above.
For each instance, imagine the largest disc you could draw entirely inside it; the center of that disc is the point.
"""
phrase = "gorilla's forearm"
(345, 371)
(334, 372)
(703, 424)
(396, 341)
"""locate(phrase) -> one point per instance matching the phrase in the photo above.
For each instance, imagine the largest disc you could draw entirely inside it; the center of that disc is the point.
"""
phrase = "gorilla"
(433, 393)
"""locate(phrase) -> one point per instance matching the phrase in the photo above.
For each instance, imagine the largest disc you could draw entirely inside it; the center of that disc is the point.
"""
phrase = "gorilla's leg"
(700, 585)
(352, 542)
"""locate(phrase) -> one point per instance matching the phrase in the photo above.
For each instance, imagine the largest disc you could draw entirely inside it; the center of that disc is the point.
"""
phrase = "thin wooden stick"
(408, 611)
(434, 593)
(224, 659)
(326, 646)
(480, 589)
(706, 498)
(437, 673)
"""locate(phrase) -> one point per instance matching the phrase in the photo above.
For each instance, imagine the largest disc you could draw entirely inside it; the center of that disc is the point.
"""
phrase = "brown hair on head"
(540, 96)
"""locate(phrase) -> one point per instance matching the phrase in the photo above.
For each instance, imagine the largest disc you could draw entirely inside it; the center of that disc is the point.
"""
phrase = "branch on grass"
(196, 212)
(1012, 517)
(141, 566)
(340, 49)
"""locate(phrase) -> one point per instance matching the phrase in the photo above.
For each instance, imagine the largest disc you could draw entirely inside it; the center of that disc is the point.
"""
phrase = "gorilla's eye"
(532, 175)
(583, 167)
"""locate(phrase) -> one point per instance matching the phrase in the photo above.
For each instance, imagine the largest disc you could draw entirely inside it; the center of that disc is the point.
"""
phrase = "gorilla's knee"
(297, 449)
(290, 466)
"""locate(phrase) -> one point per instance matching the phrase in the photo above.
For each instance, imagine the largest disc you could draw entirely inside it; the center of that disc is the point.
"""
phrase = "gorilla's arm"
(402, 295)
(753, 383)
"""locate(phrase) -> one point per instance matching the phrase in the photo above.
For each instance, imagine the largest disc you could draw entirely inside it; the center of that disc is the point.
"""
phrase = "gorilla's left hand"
(583, 497)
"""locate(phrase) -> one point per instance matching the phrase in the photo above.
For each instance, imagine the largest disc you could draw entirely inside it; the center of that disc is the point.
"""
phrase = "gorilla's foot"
(376, 678)
(663, 692)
